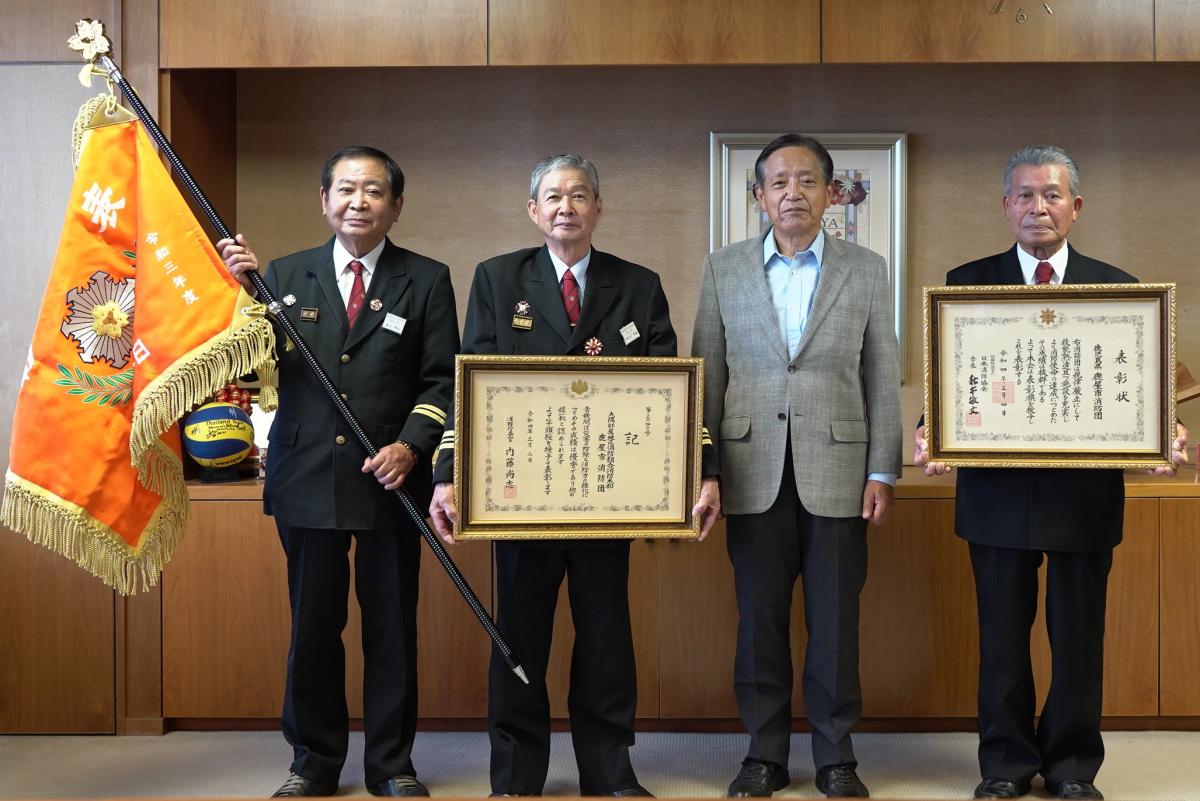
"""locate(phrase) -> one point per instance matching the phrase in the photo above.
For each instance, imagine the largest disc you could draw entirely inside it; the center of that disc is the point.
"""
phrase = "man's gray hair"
(563, 161)
(1042, 156)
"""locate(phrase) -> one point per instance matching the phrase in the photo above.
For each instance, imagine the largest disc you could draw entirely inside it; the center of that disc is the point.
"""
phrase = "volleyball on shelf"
(218, 435)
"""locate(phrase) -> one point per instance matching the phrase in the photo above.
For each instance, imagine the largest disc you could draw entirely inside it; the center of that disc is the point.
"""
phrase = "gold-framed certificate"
(1073, 375)
(559, 447)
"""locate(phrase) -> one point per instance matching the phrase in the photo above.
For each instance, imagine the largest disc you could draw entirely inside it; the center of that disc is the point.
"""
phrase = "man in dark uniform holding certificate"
(381, 321)
(1012, 519)
(563, 298)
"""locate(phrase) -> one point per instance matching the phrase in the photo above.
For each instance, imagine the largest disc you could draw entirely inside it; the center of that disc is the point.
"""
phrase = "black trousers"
(769, 552)
(603, 695)
(315, 720)
(1066, 742)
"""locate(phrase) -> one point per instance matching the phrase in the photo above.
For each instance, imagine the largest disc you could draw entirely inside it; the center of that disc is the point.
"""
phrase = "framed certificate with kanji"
(1073, 375)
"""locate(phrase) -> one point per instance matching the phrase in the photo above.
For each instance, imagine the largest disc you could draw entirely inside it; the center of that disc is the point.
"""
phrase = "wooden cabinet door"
(896, 31)
(1180, 606)
(536, 32)
(315, 33)
(226, 622)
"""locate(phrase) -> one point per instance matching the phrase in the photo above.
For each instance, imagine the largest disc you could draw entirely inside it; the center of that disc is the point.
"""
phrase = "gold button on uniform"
(345, 358)
(340, 440)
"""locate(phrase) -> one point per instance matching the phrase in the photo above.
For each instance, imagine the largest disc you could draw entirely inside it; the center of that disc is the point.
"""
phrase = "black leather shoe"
(1000, 788)
(758, 779)
(840, 781)
(1075, 789)
(636, 791)
(297, 786)
(399, 786)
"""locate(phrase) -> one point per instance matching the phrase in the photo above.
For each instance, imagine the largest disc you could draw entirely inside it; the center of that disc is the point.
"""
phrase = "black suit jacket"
(399, 385)
(1040, 509)
(617, 293)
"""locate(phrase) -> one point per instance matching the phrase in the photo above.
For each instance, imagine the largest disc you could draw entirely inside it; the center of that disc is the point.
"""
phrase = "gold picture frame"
(1073, 375)
(564, 447)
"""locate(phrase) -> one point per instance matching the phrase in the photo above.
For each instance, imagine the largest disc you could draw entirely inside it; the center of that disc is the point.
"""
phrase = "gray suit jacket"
(839, 399)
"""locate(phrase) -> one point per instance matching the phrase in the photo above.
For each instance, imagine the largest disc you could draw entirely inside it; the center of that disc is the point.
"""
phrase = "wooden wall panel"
(199, 113)
(1177, 30)
(875, 31)
(37, 30)
(647, 130)
(1179, 655)
(530, 32)
(314, 33)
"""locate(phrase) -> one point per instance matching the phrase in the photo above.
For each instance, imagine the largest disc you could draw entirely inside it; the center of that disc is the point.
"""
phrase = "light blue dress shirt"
(793, 284)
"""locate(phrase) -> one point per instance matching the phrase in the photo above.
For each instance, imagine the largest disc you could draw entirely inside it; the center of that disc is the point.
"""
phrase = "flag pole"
(104, 63)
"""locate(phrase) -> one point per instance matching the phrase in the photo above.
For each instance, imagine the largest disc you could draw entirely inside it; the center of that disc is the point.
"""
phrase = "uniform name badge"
(394, 323)
(522, 319)
(309, 313)
(629, 332)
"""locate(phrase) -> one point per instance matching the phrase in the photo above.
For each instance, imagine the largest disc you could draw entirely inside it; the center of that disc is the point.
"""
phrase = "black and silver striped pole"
(105, 63)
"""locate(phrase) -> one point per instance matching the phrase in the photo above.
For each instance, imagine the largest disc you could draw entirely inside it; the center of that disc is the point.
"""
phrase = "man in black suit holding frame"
(562, 298)
(1013, 518)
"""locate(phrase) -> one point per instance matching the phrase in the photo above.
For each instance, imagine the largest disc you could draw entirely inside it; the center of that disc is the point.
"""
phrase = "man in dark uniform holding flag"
(382, 322)
(563, 298)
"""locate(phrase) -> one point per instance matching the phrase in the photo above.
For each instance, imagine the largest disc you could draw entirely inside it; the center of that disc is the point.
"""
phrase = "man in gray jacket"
(802, 389)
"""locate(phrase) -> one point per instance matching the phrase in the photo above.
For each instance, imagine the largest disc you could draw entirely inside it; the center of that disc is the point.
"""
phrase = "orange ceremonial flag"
(140, 321)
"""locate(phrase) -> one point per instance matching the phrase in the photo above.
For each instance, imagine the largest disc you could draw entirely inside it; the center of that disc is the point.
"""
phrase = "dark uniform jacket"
(1039, 509)
(399, 385)
(617, 293)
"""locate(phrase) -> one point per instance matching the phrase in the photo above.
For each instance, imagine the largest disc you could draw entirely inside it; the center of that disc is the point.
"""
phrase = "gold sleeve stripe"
(430, 411)
(448, 438)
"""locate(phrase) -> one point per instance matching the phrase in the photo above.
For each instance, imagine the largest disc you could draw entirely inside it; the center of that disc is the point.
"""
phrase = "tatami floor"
(1140, 766)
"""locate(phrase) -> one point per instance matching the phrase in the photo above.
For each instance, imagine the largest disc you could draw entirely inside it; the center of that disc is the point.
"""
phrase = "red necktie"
(356, 292)
(570, 293)
(1043, 273)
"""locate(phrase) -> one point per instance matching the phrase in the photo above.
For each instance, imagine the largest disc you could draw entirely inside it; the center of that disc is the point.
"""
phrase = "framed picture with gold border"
(561, 447)
(1076, 375)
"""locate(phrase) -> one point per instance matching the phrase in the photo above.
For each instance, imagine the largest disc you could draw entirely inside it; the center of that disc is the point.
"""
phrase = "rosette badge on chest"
(522, 316)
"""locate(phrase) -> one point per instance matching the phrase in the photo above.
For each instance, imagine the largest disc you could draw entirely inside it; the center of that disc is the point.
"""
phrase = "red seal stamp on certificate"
(1004, 392)
(593, 347)
(974, 419)
(510, 491)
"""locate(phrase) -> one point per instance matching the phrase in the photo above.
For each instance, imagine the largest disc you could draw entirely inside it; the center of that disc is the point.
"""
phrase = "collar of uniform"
(579, 268)
(343, 257)
(771, 251)
(1058, 261)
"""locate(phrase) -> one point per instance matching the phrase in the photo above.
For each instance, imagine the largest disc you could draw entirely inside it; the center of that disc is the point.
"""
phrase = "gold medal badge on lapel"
(376, 304)
(522, 318)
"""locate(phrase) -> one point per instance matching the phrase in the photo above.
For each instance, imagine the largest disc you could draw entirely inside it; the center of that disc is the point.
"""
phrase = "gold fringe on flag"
(245, 346)
(67, 529)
